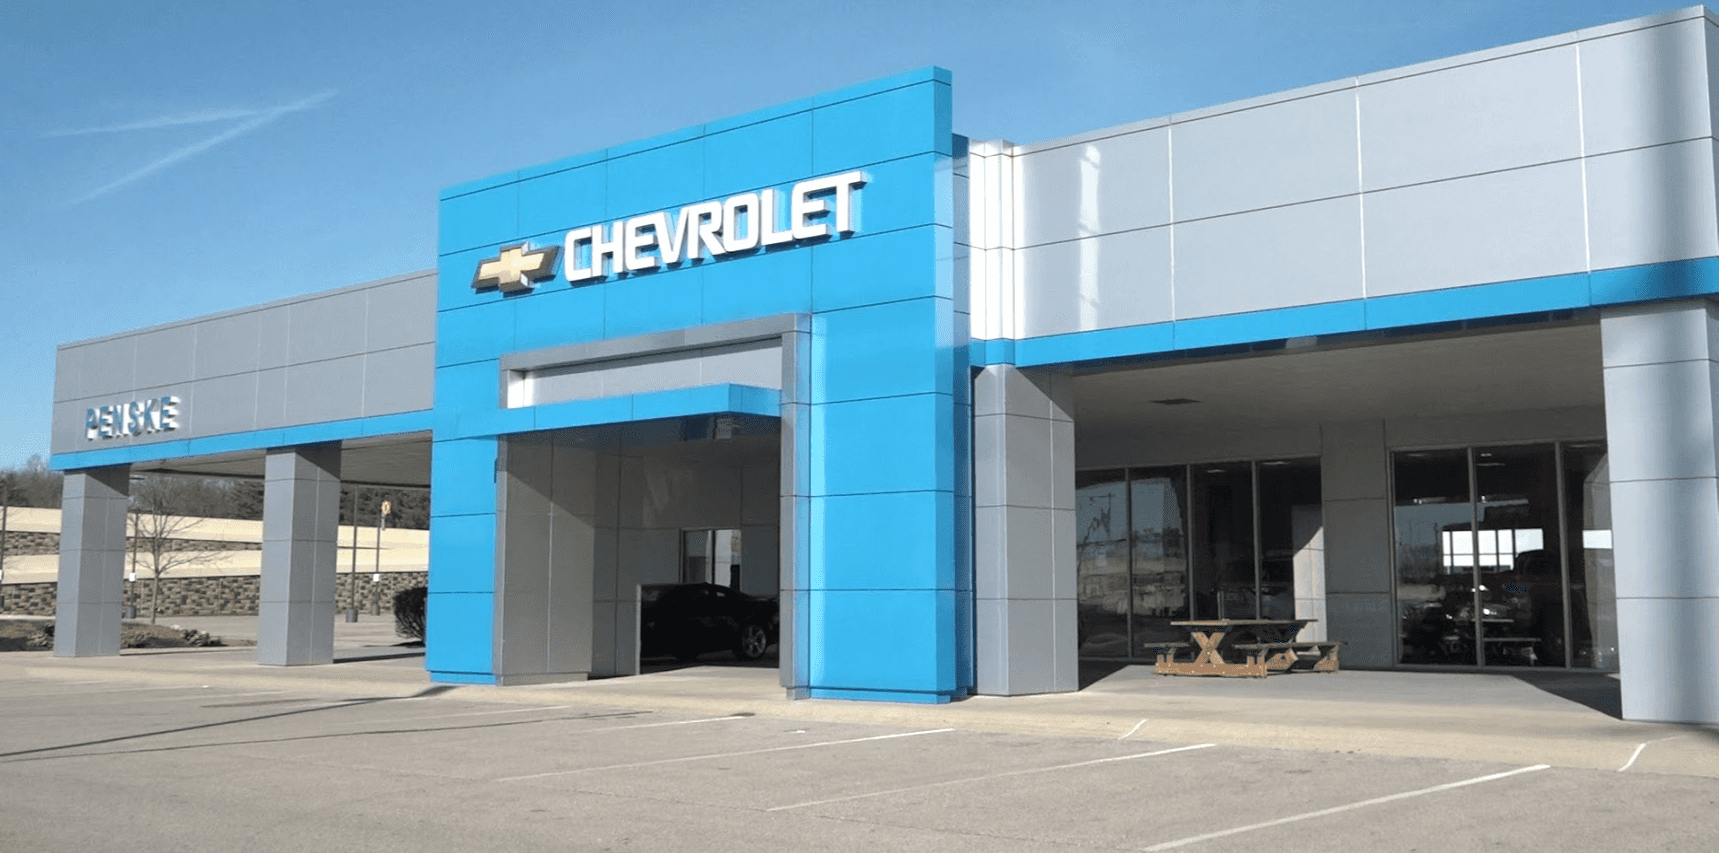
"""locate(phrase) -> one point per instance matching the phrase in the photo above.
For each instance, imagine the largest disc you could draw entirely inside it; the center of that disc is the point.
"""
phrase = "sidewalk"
(1558, 718)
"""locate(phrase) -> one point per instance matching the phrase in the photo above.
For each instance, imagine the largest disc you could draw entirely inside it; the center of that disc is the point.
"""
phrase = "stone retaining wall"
(208, 596)
(32, 543)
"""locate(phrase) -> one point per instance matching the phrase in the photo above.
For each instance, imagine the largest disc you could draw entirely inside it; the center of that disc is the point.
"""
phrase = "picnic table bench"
(1270, 646)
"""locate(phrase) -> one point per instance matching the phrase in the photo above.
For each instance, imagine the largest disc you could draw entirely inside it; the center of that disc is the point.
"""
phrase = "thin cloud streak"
(259, 119)
(179, 120)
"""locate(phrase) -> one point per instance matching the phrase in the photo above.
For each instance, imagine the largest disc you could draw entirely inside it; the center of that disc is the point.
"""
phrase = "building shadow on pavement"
(1094, 671)
(1596, 690)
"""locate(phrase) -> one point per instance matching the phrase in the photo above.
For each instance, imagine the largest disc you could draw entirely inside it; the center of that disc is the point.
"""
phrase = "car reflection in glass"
(687, 620)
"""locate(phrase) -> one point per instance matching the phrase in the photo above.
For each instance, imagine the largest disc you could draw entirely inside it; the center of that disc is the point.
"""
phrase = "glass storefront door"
(1164, 544)
(1101, 562)
(1521, 596)
(1158, 517)
(1482, 536)
(1291, 535)
(1224, 558)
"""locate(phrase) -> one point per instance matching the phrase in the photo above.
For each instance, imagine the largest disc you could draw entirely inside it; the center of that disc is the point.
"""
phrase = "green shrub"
(409, 612)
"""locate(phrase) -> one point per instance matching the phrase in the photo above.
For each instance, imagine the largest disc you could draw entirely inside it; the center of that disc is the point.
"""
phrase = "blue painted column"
(459, 645)
(888, 604)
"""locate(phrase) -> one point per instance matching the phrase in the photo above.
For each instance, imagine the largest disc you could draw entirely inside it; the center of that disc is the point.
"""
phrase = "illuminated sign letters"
(135, 417)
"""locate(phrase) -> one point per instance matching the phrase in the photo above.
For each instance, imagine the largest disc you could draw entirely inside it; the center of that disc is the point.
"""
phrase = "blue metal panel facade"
(889, 359)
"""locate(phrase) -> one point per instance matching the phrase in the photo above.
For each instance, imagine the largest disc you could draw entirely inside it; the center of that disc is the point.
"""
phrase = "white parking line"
(1133, 730)
(1637, 754)
(717, 755)
(1339, 809)
(989, 776)
(1633, 756)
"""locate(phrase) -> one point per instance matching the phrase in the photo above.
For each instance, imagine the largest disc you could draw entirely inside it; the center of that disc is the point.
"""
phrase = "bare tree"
(164, 509)
(32, 484)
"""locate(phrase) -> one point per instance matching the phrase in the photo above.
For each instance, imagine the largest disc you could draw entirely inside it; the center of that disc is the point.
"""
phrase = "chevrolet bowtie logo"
(516, 268)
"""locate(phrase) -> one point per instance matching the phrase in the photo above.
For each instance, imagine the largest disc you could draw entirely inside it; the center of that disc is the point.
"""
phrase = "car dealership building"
(1429, 355)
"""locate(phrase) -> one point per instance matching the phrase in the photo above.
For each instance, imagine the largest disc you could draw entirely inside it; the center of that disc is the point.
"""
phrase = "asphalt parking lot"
(93, 765)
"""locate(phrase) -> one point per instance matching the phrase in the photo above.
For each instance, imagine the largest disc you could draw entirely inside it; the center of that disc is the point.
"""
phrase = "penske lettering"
(820, 207)
(133, 417)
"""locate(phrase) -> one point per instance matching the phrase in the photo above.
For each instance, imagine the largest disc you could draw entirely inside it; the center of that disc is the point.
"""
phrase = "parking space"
(97, 765)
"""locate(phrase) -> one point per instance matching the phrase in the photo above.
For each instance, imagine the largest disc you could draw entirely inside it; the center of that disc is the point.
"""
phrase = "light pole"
(130, 609)
(5, 511)
(134, 512)
(352, 576)
(376, 579)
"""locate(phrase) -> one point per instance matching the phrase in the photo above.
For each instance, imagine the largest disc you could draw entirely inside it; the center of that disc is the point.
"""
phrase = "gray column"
(1661, 374)
(92, 561)
(301, 521)
(615, 632)
(1025, 629)
(794, 527)
(545, 559)
(1354, 476)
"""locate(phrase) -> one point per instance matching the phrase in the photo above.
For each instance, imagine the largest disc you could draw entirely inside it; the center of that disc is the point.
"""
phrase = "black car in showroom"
(688, 619)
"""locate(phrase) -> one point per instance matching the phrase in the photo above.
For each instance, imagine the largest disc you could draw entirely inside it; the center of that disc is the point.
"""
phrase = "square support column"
(1355, 604)
(794, 525)
(1026, 637)
(301, 520)
(1661, 365)
(546, 547)
(92, 562)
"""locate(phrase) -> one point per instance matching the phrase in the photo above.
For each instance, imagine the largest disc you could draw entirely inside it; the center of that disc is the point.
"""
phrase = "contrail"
(179, 120)
(258, 119)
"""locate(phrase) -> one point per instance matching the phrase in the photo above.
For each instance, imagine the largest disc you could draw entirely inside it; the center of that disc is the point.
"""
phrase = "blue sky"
(165, 160)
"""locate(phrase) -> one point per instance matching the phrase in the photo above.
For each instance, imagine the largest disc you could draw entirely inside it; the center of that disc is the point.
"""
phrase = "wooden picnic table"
(1246, 647)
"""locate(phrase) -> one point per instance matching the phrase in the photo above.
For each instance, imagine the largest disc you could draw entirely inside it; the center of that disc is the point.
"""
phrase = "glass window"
(695, 556)
(1159, 517)
(1504, 556)
(1588, 530)
(1291, 536)
(1223, 539)
(1158, 545)
(1435, 557)
(710, 556)
(1101, 562)
(1517, 564)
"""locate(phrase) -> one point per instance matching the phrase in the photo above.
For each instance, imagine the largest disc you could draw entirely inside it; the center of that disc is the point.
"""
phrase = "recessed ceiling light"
(1175, 401)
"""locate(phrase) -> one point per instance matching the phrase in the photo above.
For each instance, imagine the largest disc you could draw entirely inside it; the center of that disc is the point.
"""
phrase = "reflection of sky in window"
(1156, 508)
(1098, 509)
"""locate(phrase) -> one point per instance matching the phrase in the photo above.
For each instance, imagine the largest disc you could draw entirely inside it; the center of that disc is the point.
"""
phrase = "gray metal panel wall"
(356, 352)
(1589, 150)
